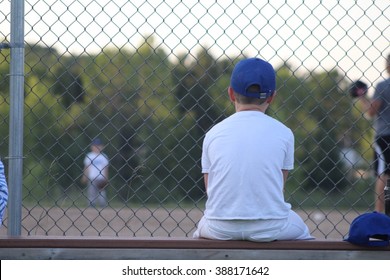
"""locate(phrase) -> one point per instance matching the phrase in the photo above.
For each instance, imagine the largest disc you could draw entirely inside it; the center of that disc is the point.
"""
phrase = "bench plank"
(177, 243)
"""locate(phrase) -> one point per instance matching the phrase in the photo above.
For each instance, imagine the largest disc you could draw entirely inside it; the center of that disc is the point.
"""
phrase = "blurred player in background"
(95, 174)
(245, 161)
(379, 108)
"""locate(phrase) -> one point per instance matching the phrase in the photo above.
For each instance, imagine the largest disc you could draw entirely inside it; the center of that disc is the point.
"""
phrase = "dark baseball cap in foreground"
(370, 229)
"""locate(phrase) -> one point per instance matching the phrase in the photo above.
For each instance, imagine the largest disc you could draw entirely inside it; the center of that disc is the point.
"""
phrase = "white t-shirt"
(96, 163)
(244, 156)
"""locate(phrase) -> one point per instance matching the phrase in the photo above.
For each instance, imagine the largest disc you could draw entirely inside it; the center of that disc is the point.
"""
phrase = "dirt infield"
(148, 222)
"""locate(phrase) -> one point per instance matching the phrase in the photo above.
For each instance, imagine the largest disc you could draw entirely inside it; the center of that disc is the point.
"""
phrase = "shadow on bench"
(44, 247)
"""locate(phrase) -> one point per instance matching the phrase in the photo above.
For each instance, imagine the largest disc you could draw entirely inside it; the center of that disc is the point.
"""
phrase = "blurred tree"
(68, 83)
(314, 107)
(4, 100)
(197, 85)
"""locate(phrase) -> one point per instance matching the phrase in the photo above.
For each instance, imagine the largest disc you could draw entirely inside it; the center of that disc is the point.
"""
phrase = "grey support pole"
(15, 158)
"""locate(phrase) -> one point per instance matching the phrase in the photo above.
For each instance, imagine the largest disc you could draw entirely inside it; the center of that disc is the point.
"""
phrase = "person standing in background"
(95, 174)
(379, 108)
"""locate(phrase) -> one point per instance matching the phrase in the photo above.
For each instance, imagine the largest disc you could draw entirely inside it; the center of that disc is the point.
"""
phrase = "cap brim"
(370, 243)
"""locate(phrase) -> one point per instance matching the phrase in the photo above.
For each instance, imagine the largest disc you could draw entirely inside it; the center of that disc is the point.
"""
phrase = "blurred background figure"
(95, 174)
(379, 108)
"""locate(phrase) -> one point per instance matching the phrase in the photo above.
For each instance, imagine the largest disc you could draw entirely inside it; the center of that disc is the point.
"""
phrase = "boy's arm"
(3, 191)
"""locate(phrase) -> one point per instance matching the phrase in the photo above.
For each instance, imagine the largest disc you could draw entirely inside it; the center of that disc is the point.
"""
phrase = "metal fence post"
(16, 117)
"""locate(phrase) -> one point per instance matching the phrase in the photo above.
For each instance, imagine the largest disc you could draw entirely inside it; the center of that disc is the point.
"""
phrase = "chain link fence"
(149, 78)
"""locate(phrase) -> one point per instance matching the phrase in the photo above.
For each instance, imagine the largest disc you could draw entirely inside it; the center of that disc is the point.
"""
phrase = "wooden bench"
(45, 247)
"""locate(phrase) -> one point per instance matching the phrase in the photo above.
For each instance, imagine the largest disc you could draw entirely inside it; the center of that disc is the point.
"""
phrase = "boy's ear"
(231, 94)
(269, 99)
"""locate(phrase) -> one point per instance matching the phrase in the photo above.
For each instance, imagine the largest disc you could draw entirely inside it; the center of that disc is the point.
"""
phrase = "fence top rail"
(177, 243)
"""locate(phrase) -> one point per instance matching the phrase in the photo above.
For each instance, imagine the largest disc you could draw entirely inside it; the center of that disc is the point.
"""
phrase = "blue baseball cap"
(253, 71)
(97, 142)
(370, 229)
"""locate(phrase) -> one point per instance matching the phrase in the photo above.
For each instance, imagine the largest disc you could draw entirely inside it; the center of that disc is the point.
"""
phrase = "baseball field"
(151, 222)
